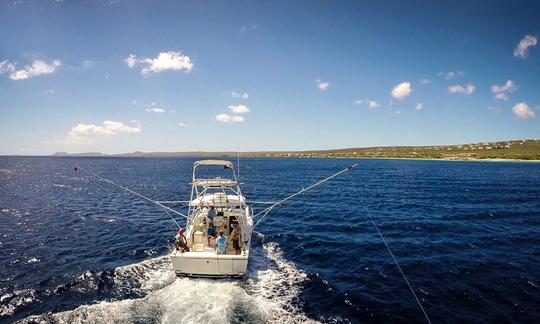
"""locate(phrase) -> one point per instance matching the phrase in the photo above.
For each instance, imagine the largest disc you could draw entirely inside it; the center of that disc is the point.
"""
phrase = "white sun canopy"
(227, 164)
(218, 200)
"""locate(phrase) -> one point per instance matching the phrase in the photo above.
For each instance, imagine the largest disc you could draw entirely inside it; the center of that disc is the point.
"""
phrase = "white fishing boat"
(217, 200)
(222, 196)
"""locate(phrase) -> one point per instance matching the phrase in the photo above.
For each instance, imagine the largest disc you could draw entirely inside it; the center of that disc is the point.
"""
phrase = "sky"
(121, 76)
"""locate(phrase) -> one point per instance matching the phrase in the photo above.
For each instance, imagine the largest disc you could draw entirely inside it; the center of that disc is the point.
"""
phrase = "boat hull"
(209, 264)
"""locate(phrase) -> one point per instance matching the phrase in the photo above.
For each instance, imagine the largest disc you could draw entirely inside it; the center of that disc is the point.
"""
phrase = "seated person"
(181, 241)
(212, 232)
(221, 243)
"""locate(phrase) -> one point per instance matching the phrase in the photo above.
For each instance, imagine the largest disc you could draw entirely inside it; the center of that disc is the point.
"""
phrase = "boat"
(195, 254)
(201, 258)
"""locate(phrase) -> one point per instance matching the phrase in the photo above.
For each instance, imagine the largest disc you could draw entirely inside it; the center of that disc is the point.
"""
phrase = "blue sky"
(122, 76)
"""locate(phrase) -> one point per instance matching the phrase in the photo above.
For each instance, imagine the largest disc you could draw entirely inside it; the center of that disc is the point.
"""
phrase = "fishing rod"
(269, 208)
(167, 209)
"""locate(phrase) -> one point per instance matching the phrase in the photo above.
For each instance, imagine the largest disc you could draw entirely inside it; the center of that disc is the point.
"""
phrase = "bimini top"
(227, 164)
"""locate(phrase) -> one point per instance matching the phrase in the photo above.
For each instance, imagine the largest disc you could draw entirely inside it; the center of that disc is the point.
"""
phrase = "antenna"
(238, 159)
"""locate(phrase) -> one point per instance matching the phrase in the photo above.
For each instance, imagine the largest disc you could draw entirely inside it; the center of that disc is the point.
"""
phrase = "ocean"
(466, 234)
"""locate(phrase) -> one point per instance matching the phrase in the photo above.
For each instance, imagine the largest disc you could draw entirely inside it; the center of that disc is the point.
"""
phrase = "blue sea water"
(467, 235)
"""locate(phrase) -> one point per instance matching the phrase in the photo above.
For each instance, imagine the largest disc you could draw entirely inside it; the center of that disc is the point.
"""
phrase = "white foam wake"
(270, 296)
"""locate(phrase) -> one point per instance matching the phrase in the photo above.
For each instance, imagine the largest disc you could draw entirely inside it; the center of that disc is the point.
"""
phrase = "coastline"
(123, 156)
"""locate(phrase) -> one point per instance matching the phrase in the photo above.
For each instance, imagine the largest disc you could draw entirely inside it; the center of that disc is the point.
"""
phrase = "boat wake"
(265, 296)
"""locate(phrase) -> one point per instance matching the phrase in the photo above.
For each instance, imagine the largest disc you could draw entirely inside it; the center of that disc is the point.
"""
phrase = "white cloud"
(241, 95)
(131, 61)
(468, 89)
(224, 118)
(249, 27)
(174, 61)
(156, 110)
(402, 90)
(89, 133)
(522, 48)
(182, 124)
(322, 85)
(6, 67)
(372, 104)
(451, 74)
(38, 67)
(500, 92)
(239, 109)
(49, 92)
(419, 106)
(523, 111)
(425, 81)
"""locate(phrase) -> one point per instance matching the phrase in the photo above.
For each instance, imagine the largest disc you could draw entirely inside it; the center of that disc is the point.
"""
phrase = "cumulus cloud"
(465, 89)
(372, 104)
(322, 85)
(500, 92)
(522, 48)
(419, 106)
(224, 118)
(425, 81)
(402, 90)
(182, 124)
(523, 111)
(240, 95)
(37, 68)
(174, 61)
(451, 74)
(239, 109)
(89, 133)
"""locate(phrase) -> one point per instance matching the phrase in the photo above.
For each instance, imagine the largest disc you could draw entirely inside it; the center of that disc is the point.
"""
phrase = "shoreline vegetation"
(515, 150)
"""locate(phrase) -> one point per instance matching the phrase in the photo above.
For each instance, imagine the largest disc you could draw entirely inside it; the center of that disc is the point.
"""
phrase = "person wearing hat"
(181, 241)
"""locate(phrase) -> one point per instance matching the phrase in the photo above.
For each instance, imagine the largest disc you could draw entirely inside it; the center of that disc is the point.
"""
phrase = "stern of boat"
(209, 264)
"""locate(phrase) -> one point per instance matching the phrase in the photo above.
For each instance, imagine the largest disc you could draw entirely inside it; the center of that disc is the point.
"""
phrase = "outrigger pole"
(167, 209)
(269, 208)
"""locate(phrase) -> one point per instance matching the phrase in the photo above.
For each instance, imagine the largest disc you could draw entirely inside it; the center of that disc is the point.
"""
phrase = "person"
(181, 241)
(211, 232)
(211, 214)
(221, 243)
(235, 237)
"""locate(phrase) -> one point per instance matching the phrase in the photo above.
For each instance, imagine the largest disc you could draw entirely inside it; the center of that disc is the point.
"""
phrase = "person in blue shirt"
(221, 243)
(212, 232)
(211, 214)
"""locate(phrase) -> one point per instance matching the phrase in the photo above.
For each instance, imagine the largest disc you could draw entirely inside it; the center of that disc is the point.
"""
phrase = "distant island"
(504, 150)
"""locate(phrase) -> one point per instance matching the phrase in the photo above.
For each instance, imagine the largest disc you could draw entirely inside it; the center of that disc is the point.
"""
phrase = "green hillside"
(511, 150)
(520, 150)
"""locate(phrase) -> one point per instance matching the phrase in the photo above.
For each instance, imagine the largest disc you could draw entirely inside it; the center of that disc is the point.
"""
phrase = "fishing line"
(167, 209)
(399, 268)
(268, 209)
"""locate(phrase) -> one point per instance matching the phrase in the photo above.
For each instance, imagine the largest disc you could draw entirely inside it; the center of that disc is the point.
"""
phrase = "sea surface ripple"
(467, 235)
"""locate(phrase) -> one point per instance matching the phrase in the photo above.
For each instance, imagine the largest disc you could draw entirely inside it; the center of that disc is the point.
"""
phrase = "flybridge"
(217, 182)
(214, 183)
